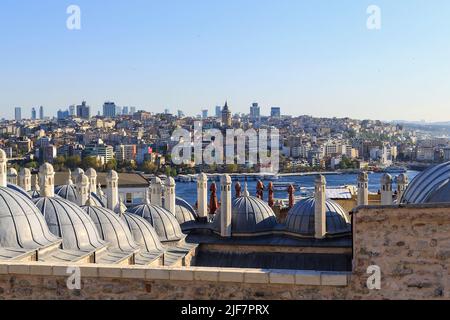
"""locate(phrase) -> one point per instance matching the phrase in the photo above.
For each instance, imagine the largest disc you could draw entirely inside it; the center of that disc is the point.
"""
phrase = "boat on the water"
(283, 186)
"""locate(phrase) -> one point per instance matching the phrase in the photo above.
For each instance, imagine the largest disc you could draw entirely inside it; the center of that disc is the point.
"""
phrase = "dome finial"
(147, 197)
(246, 193)
(69, 179)
(36, 183)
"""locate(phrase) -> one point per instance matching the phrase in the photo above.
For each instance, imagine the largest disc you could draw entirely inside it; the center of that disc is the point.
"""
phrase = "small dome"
(112, 228)
(250, 215)
(68, 192)
(430, 186)
(91, 173)
(386, 179)
(21, 223)
(184, 212)
(143, 232)
(19, 189)
(164, 222)
(25, 172)
(300, 218)
(71, 223)
(46, 168)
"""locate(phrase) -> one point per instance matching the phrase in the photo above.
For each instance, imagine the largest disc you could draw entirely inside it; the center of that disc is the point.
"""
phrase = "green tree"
(90, 162)
(73, 162)
(111, 165)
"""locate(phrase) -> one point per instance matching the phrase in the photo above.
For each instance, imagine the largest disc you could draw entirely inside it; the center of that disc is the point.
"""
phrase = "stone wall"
(410, 244)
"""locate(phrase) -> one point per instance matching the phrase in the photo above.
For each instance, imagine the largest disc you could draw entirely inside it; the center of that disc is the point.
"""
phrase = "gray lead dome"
(71, 223)
(430, 186)
(164, 222)
(21, 223)
(300, 219)
(250, 215)
(112, 229)
(143, 232)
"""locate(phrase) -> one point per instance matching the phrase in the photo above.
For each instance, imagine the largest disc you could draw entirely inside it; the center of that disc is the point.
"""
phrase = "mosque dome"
(21, 223)
(164, 222)
(19, 189)
(68, 192)
(430, 186)
(112, 228)
(68, 221)
(250, 215)
(143, 232)
(184, 213)
(300, 218)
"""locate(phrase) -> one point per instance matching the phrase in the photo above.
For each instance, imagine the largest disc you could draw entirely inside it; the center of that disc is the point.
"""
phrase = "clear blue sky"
(307, 56)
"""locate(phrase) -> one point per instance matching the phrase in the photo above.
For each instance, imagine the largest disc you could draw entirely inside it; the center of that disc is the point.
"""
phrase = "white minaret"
(225, 206)
(25, 179)
(202, 196)
(12, 176)
(47, 180)
(3, 168)
(169, 195)
(320, 212)
(363, 189)
(402, 184)
(82, 189)
(386, 189)
(156, 192)
(112, 190)
(92, 175)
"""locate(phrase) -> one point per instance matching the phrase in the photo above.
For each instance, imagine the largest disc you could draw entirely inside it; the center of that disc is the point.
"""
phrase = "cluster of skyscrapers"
(18, 113)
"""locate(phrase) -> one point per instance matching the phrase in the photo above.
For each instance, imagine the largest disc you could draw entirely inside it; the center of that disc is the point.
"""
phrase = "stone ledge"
(224, 275)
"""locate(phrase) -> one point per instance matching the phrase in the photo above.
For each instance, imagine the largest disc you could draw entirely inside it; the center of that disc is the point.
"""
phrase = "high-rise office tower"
(41, 113)
(109, 110)
(255, 112)
(218, 112)
(83, 111)
(33, 113)
(125, 111)
(18, 113)
(204, 114)
(275, 112)
(132, 110)
(72, 110)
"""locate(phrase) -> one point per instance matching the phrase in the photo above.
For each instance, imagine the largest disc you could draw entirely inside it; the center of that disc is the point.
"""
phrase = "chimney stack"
(386, 190)
(320, 212)
(47, 180)
(225, 206)
(363, 189)
(202, 196)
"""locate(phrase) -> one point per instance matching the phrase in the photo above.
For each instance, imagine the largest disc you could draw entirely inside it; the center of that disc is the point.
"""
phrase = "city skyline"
(306, 57)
